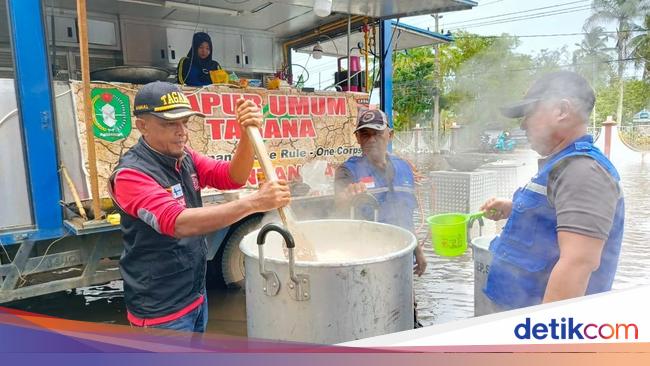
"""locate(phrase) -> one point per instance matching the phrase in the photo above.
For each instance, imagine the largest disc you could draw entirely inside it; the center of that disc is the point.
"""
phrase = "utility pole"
(436, 99)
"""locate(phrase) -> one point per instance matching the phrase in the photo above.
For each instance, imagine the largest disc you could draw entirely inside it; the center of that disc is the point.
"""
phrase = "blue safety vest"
(527, 249)
(396, 199)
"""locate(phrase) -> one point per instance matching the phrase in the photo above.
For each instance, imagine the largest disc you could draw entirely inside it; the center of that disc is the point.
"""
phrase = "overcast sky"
(521, 18)
(547, 21)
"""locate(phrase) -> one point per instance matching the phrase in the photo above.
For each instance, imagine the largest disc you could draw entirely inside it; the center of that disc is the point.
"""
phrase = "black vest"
(161, 274)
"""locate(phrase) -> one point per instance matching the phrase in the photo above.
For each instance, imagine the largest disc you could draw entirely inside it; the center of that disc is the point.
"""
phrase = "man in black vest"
(157, 190)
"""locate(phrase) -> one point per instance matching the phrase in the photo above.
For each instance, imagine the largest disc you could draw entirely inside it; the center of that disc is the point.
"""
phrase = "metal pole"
(366, 40)
(36, 110)
(53, 30)
(593, 85)
(386, 68)
(608, 135)
(85, 79)
(436, 100)
(349, 33)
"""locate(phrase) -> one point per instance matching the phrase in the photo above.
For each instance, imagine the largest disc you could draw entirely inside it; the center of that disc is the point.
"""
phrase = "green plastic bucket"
(449, 232)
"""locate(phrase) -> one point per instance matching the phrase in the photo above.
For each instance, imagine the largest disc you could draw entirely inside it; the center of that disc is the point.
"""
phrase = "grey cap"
(559, 84)
(372, 118)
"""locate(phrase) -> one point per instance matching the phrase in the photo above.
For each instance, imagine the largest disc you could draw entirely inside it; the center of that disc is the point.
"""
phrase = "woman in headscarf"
(194, 69)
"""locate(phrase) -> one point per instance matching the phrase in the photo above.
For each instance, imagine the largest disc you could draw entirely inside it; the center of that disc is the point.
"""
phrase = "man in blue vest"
(385, 176)
(157, 190)
(564, 230)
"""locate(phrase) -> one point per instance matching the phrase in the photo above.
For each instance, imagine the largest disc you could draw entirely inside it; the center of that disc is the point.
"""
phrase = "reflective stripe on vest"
(527, 249)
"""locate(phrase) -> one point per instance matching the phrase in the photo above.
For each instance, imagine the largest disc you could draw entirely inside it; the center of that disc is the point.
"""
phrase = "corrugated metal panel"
(6, 60)
(61, 62)
(96, 62)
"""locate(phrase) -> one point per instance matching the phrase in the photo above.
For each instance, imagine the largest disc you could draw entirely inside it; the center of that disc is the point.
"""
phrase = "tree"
(593, 56)
(636, 99)
(413, 86)
(486, 80)
(592, 59)
(548, 60)
(414, 73)
(641, 48)
(623, 13)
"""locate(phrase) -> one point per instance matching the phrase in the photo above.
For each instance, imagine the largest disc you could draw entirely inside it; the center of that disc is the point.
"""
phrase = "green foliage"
(485, 75)
(413, 86)
(622, 13)
(636, 97)
(479, 74)
(593, 57)
(641, 49)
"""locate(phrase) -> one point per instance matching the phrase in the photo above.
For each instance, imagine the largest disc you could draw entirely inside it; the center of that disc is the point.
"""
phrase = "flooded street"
(444, 293)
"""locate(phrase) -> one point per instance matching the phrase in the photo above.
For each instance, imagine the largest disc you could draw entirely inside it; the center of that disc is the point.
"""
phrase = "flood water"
(446, 290)
(444, 293)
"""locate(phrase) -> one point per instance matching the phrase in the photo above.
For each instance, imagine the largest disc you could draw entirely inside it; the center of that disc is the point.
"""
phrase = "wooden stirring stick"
(305, 249)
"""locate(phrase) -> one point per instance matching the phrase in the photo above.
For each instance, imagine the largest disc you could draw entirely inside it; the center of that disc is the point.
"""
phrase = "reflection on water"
(444, 293)
(635, 254)
(105, 304)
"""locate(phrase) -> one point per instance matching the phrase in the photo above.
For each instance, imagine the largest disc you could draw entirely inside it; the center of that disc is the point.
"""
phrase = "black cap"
(372, 118)
(163, 100)
(559, 84)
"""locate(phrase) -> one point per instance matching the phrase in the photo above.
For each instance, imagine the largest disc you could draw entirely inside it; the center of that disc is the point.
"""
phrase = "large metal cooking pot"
(467, 162)
(130, 74)
(360, 286)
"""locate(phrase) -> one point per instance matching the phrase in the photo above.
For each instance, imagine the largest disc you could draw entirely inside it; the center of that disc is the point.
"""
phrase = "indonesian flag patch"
(368, 181)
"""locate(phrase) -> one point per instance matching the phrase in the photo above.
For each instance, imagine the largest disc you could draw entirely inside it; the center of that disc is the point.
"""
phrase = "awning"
(405, 37)
(390, 9)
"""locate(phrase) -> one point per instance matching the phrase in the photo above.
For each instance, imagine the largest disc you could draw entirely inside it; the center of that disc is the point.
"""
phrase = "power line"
(513, 13)
(519, 12)
(526, 17)
(547, 35)
(500, 72)
(490, 3)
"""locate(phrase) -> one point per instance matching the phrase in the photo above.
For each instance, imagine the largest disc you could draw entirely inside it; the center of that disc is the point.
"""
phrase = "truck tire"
(232, 260)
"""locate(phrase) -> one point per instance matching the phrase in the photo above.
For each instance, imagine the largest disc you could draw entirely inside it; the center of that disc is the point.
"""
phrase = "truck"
(57, 227)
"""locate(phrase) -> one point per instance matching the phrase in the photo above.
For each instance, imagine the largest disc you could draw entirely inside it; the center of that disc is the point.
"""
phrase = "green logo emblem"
(112, 114)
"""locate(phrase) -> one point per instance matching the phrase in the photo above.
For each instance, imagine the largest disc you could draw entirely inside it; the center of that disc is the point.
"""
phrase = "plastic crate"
(507, 179)
(463, 192)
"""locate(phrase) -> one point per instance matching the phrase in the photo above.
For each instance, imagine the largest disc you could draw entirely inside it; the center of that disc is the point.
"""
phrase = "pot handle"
(272, 286)
(299, 284)
(364, 199)
(286, 235)
(470, 222)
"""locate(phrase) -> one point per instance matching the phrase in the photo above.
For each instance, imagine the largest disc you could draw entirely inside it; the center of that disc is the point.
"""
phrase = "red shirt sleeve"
(212, 172)
(142, 197)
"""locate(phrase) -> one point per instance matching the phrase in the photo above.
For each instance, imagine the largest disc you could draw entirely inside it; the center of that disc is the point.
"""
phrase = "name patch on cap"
(174, 98)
